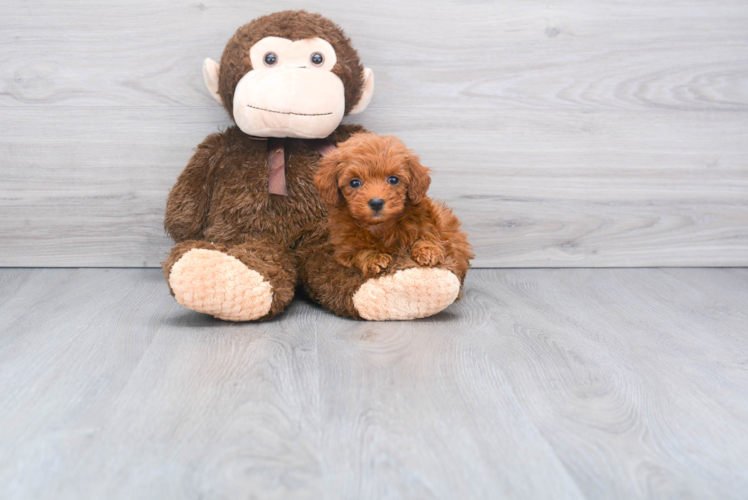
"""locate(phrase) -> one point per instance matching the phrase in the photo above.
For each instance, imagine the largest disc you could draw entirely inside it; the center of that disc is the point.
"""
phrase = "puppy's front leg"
(428, 252)
(372, 262)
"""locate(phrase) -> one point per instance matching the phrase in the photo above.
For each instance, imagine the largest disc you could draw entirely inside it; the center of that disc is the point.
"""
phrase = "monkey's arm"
(189, 200)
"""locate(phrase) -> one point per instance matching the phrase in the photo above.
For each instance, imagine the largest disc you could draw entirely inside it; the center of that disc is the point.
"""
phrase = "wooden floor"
(539, 384)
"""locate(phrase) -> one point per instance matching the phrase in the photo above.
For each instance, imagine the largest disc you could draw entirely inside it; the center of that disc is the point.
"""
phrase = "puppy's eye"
(270, 59)
(317, 59)
(393, 180)
(355, 183)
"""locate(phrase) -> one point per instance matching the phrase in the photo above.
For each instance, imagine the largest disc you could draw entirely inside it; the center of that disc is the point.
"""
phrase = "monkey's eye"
(393, 180)
(355, 183)
(317, 59)
(270, 59)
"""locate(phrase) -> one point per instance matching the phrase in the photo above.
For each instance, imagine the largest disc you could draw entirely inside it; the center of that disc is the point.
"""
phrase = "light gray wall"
(574, 133)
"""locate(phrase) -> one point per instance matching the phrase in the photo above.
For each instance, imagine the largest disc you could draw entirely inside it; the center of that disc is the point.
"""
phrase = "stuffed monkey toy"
(245, 215)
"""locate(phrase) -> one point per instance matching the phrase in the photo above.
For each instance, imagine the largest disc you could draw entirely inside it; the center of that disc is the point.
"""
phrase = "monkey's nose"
(376, 204)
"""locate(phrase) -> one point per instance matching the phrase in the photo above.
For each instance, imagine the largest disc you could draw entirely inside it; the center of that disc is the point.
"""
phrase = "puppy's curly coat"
(375, 190)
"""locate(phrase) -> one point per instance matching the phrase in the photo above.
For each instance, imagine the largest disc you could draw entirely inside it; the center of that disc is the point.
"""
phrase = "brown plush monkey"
(245, 213)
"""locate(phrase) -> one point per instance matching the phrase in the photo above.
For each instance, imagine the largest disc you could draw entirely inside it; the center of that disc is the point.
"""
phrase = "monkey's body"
(222, 196)
(241, 251)
(221, 203)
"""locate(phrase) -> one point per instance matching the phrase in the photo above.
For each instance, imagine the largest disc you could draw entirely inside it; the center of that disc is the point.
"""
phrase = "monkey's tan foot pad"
(408, 294)
(211, 282)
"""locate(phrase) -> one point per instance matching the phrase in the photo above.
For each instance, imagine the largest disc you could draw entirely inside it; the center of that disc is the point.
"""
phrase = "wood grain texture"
(568, 384)
(112, 390)
(564, 133)
(579, 55)
(632, 378)
(403, 419)
(75, 194)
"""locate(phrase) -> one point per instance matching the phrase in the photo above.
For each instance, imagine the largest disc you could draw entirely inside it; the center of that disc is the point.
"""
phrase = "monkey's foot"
(211, 282)
(408, 294)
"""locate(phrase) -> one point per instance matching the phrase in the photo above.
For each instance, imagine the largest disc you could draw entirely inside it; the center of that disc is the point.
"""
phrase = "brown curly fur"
(221, 200)
(408, 222)
(293, 25)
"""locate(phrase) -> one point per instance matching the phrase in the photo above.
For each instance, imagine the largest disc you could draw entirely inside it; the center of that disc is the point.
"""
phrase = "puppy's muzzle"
(376, 204)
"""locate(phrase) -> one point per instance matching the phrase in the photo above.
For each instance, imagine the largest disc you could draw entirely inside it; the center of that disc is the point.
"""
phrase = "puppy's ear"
(326, 179)
(419, 179)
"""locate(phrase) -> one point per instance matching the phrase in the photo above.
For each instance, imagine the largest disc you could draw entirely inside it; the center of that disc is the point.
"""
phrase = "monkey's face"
(291, 91)
(289, 74)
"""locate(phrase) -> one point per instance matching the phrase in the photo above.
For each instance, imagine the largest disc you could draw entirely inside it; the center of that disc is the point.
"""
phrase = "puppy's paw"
(428, 254)
(375, 264)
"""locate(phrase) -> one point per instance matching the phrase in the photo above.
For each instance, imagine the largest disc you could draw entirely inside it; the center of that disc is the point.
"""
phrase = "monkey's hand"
(428, 253)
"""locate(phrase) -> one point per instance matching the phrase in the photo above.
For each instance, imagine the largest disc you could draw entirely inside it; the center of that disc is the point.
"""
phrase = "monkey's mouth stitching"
(288, 112)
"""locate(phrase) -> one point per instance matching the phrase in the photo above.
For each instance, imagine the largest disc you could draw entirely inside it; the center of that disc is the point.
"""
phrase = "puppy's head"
(373, 176)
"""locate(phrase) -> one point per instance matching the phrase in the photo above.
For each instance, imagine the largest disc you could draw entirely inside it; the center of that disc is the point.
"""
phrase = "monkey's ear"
(366, 94)
(419, 180)
(210, 75)
(326, 180)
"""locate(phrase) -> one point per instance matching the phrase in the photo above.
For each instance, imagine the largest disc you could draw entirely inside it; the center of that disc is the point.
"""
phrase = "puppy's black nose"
(376, 203)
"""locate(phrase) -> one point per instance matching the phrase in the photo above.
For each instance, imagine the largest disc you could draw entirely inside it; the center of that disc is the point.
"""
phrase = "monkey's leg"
(253, 281)
(405, 291)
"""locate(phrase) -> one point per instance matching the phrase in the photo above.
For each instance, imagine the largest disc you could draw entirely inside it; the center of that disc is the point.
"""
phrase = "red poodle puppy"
(375, 189)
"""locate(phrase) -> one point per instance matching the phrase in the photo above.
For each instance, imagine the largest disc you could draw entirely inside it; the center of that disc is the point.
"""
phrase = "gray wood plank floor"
(576, 134)
(575, 383)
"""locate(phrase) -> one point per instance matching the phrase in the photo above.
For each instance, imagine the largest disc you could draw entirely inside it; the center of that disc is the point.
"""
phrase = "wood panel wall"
(574, 133)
